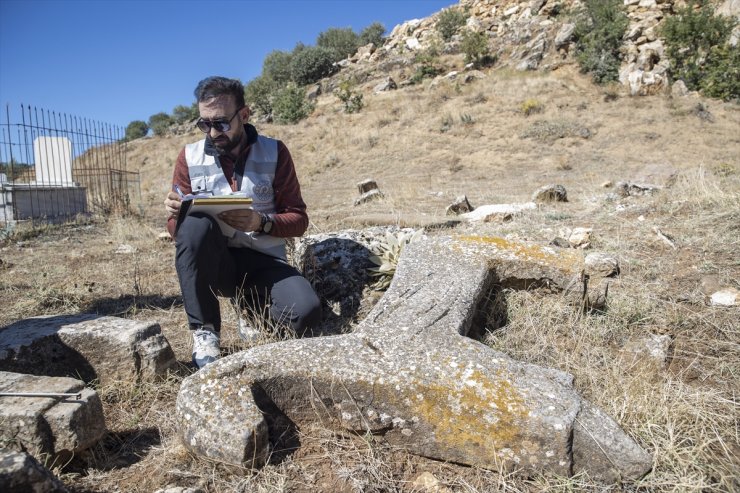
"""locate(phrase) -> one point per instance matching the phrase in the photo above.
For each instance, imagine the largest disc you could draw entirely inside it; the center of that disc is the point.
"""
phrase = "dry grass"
(684, 412)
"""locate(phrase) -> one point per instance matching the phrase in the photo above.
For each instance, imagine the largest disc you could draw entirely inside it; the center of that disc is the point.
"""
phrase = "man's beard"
(223, 145)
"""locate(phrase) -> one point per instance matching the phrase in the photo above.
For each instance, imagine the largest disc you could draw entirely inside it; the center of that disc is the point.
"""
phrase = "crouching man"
(249, 266)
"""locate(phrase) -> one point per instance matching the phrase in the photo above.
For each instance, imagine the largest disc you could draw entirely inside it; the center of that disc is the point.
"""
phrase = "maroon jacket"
(291, 218)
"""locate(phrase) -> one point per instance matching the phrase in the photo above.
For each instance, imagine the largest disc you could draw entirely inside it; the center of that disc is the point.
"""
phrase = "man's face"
(221, 109)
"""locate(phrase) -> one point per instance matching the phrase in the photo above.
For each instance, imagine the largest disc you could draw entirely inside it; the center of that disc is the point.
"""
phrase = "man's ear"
(245, 113)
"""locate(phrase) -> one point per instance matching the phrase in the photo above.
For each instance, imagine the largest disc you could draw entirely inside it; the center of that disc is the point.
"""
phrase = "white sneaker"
(247, 332)
(206, 347)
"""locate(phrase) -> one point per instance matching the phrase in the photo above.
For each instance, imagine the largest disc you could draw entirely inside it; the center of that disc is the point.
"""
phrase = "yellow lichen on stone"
(529, 252)
(480, 413)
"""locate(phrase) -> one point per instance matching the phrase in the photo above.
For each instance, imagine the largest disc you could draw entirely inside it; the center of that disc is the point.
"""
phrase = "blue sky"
(116, 61)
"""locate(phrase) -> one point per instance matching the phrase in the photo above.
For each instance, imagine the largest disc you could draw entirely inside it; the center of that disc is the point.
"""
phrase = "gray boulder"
(52, 426)
(22, 473)
(550, 193)
(409, 374)
(89, 346)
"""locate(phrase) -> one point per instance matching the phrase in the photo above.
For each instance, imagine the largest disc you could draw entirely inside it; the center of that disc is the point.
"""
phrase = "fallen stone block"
(461, 205)
(409, 374)
(497, 212)
(366, 186)
(368, 196)
(90, 347)
(53, 426)
(21, 472)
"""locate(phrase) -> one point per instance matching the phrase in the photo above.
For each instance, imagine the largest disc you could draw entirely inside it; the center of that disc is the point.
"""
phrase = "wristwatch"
(265, 223)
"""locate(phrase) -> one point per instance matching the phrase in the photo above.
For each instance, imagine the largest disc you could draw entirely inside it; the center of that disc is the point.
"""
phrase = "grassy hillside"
(424, 146)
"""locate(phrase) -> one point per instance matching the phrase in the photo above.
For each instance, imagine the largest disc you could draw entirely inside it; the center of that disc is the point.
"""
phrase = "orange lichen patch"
(564, 259)
(481, 417)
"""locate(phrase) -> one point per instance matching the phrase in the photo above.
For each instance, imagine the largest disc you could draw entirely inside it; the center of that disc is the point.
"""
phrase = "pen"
(179, 192)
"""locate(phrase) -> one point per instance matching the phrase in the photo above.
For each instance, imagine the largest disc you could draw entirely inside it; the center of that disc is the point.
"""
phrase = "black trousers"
(207, 267)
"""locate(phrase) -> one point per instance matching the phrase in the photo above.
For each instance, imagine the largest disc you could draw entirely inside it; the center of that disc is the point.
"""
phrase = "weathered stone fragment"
(497, 212)
(88, 346)
(387, 85)
(49, 426)
(601, 265)
(368, 196)
(459, 206)
(550, 193)
(367, 185)
(22, 473)
(410, 374)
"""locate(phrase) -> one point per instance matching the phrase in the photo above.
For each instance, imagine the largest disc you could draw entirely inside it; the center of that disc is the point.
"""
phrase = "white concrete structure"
(53, 159)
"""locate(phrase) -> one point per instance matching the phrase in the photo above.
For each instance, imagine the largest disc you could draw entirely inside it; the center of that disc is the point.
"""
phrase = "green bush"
(372, 34)
(449, 21)
(310, 64)
(290, 105)
(342, 42)
(136, 130)
(690, 37)
(352, 101)
(159, 123)
(722, 78)
(475, 48)
(258, 94)
(427, 65)
(182, 114)
(599, 31)
(276, 66)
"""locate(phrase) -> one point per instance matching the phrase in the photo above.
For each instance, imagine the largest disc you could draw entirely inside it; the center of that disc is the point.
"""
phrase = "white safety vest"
(206, 175)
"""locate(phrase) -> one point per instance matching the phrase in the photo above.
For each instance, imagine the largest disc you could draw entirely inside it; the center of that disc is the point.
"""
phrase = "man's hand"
(242, 219)
(172, 204)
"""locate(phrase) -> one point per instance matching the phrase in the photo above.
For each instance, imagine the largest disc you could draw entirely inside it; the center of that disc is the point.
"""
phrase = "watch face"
(268, 226)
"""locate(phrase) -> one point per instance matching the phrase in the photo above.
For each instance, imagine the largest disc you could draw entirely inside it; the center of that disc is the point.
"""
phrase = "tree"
(290, 104)
(276, 66)
(342, 42)
(372, 34)
(449, 21)
(310, 64)
(258, 93)
(136, 130)
(159, 123)
(690, 37)
(475, 47)
(598, 35)
(182, 114)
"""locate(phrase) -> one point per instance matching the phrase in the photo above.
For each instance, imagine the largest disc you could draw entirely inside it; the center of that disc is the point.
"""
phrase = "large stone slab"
(22, 473)
(410, 374)
(55, 426)
(90, 347)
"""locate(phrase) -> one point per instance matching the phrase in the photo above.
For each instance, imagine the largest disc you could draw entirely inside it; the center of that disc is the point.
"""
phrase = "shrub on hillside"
(352, 100)
(372, 34)
(449, 21)
(427, 65)
(136, 130)
(475, 48)
(258, 94)
(182, 114)
(289, 105)
(159, 123)
(598, 35)
(695, 39)
(342, 42)
(311, 64)
(722, 79)
(276, 66)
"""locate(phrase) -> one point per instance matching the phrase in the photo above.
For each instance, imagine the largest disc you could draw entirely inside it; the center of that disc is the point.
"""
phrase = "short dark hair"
(215, 86)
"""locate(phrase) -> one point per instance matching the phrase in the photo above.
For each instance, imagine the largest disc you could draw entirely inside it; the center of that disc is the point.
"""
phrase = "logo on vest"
(262, 191)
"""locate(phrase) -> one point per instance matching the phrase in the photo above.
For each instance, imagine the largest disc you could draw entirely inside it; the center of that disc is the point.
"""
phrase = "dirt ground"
(676, 247)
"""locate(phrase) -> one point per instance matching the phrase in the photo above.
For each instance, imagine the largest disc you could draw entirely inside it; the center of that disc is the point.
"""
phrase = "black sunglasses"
(220, 125)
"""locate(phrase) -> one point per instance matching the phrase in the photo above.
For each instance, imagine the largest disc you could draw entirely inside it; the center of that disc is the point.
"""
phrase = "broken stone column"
(408, 373)
(90, 347)
(53, 426)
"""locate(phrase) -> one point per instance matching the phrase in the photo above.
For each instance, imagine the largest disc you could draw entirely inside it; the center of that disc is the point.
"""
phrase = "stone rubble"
(92, 347)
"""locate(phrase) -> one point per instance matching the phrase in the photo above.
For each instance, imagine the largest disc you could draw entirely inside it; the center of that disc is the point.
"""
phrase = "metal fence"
(54, 166)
